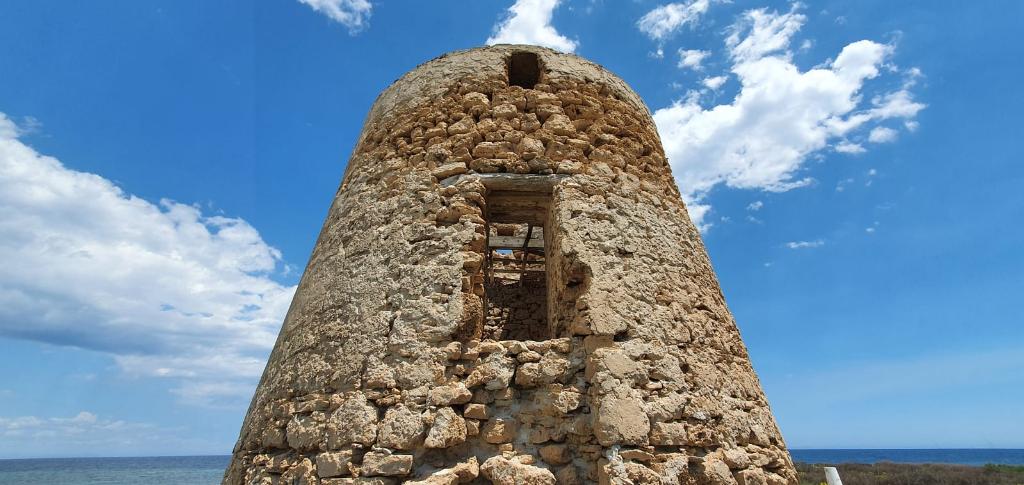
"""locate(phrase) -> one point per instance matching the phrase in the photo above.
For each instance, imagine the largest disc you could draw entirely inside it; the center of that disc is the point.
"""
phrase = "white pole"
(832, 476)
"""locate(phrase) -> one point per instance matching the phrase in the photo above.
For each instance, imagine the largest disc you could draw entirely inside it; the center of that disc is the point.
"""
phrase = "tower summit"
(508, 289)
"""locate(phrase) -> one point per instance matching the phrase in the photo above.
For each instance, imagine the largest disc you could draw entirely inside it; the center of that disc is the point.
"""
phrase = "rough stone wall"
(380, 374)
(517, 311)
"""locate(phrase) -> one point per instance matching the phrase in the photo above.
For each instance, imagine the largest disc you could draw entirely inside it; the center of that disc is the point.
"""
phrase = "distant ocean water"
(970, 456)
(164, 470)
(208, 470)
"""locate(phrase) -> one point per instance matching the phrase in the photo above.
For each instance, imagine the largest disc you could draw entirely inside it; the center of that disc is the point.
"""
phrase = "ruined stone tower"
(508, 290)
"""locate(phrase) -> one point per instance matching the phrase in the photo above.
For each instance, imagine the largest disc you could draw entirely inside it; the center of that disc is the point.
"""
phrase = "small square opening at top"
(524, 70)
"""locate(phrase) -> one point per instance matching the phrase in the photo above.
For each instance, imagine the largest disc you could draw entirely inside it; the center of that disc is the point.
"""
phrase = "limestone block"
(559, 454)
(333, 464)
(736, 458)
(716, 472)
(503, 471)
(668, 434)
(359, 481)
(448, 429)
(641, 475)
(385, 464)
(475, 411)
(559, 124)
(494, 372)
(355, 421)
(753, 476)
(452, 393)
(402, 428)
(300, 473)
(621, 420)
(461, 473)
(304, 433)
(500, 430)
(465, 125)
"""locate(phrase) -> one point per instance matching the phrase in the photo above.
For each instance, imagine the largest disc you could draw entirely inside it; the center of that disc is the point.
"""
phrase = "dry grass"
(912, 474)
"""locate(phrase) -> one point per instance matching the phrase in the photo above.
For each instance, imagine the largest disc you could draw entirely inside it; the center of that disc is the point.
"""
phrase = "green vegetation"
(914, 474)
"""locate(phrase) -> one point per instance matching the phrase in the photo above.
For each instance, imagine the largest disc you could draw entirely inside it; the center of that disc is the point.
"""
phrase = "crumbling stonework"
(391, 366)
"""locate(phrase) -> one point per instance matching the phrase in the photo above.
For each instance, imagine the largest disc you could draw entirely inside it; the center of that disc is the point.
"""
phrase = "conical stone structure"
(508, 290)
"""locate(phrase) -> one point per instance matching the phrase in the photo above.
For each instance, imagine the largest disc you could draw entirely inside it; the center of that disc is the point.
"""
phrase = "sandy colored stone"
(402, 428)
(499, 430)
(559, 454)
(448, 429)
(355, 421)
(452, 393)
(333, 463)
(384, 464)
(475, 411)
(503, 471)
(305, 433)
(621, 421)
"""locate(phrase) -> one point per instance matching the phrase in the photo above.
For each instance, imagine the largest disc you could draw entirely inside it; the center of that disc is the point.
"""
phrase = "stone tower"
(508, 290)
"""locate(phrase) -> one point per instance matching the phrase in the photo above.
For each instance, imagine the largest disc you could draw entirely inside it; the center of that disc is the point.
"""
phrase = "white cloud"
(692, 58)
(850, 147)
(529, 22)
(163, 288)
(665, 20)
(782, 115)
(755, 206)
(713, 83)
(881, 134)
(353, 14)
(805, 244)
(88, 434)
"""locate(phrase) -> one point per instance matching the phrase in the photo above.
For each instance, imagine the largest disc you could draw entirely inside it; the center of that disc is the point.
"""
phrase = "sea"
(208, 470)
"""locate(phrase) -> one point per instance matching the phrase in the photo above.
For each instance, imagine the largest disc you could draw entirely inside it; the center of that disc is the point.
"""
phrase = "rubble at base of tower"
(383, 373)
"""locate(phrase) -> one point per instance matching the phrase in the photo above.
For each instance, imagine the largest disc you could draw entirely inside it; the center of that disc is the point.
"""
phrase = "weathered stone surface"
(461, 473)
(401, 429)
(499, 430)
(384, 464)
(621, 421)
(503, 471)
(359, 481)
(668, 434)
(333, 464)
(556, 454)
(448, 429)
(305, 433)
(476, 411)
(300, 473)
(355, 421)
(453, 393)
(398, 338)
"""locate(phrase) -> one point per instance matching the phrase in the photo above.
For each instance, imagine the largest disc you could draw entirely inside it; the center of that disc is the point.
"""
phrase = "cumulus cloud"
(529, 22)
(805, 244)
(781, 116)
(755, 206)
(715, 82)
(881, 134)
(163, 288)
(849, 147)
(692, 58)
(662, 22)
(86, 433)
(353, 14)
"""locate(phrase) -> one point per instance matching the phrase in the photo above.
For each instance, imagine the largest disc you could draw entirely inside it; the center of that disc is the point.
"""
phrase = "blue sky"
(165, 168)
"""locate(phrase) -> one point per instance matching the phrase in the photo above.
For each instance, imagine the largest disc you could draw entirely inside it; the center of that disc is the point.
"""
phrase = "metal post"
(832, 476)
